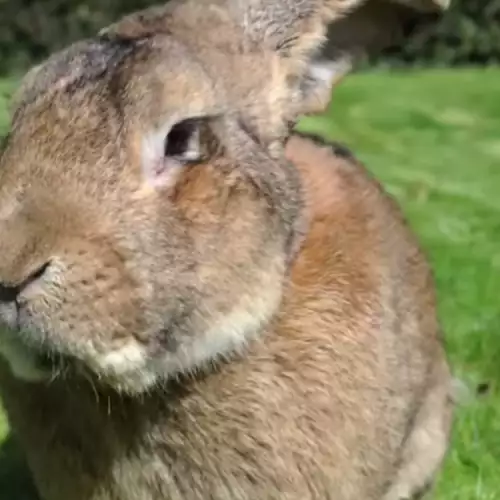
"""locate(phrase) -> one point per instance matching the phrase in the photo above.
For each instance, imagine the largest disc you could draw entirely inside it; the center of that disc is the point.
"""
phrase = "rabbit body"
(191, 312)
(345, 394)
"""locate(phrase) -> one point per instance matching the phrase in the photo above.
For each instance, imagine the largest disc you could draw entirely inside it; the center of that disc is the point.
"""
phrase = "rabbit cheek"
(95, 337)
(100, 333)
(89, 316)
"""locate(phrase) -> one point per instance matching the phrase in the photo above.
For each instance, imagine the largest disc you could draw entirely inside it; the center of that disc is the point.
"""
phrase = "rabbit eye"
(182, 142)
(165, 153)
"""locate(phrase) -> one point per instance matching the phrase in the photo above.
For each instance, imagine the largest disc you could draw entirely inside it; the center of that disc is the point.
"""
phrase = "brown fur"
(235, 327)
(345, 395)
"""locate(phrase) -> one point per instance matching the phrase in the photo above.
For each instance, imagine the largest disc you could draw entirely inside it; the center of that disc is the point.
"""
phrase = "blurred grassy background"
(432, 138)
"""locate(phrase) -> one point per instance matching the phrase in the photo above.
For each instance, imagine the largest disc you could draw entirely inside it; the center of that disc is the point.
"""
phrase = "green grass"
(433, 139)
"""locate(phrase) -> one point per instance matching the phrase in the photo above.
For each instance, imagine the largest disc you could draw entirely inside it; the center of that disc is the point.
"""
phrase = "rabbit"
(190, 314)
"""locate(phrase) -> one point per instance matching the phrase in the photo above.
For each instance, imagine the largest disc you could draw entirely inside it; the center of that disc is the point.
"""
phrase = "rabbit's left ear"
(297, 28)
(379, 24)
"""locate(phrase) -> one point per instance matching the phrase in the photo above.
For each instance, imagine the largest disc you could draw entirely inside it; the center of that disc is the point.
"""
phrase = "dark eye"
(182, 142)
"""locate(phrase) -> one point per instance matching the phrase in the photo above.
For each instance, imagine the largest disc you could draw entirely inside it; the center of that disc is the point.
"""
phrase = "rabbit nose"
(10, 293)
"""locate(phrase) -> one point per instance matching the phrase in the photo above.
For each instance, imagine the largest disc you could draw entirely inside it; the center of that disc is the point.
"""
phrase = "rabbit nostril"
(9, 293)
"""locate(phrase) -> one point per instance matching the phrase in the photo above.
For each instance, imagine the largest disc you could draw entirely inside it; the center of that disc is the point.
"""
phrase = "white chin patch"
(125, 368)
(130, 357)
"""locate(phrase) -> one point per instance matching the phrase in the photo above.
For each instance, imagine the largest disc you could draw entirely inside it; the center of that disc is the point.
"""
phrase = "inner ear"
(312, 92)
(317, 84)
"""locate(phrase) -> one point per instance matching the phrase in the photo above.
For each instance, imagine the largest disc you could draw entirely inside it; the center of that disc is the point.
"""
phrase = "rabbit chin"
(135, 367)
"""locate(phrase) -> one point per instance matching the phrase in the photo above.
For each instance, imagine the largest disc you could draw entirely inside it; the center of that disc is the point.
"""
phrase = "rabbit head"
(136, 240)
(146, 231)
(140, 238)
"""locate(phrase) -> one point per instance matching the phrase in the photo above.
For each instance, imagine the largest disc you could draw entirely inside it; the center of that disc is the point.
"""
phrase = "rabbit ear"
(293, 28)
(298, 28)
(379, 24)
(316, 86)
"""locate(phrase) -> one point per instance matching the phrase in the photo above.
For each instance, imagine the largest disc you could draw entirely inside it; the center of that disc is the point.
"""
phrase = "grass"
(432, 138)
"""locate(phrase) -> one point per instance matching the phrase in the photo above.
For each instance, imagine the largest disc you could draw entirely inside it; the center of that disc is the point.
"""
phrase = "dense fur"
(217, 320)
(344, 395)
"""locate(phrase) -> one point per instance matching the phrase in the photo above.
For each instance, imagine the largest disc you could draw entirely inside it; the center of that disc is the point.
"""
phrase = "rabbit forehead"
(150, 75)
(86, 107)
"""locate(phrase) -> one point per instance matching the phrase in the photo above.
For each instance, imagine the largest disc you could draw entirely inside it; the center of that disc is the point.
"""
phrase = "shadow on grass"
(15, 479)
